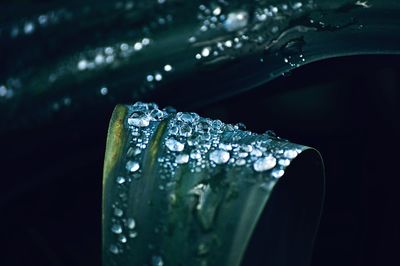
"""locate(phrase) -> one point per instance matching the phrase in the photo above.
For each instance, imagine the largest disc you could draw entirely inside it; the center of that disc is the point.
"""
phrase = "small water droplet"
(131, 223)
(122, 239)
(104, 91)
(277, 173)
(142, 121)
(138, 46)
(219, 156)
(174, 145)
(182, 158)
(118, 212)
(120, 180)
(236, 20)
(290, 154)
(157, 261)
(132, 166)
(132, 234)
(167, 68)
(206, 51)
(264, 164)
(116, 229)
(114, 249)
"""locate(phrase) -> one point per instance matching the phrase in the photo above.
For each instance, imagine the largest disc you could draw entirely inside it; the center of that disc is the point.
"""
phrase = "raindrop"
(264, 164)
(291, 154)
(157, 261)
(217, 11)
(236, 20)
(132, 234)
(116, 229)
(131, 223)
(138, 46)
(122, 239)
(219, 156)
(206, 51)
(150, 78)
(120, 180)
(167, 68)
(104, 91)
(182, 158)
(158, 77)
(141, 121)
(195, 154)
(29, 27)
(118, 212)
(132, 166)
(114, 249)
(174, 145)
(277, 173)
(284, 162)
(82, 64)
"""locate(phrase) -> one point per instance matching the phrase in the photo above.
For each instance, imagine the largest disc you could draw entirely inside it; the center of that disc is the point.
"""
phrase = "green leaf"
(87, 56)
(179, 189)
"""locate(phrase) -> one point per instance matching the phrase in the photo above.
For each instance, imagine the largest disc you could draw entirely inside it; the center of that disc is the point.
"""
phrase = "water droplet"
(217, 11)
(223, 146)
(120, 180)
(256, 153)
(182, 158)
(167, 68)
(29, 27)
(82, 64)
(290, 154)
(150, 78)
(157, 261)
(132, 166)
(241, 162)
(236, 20)
(206, 51)
(118, 212)
(114, 249)
(185, 130)
(138, 46)
(174, 145)
(219, 156)
(195, 154)
(158, 77)
(141, 121)
(264, 164)
(131, 223)
(132, 234)
(284, 162)
(277, 173)
(103, 90)
(122, 239)
(116, 229)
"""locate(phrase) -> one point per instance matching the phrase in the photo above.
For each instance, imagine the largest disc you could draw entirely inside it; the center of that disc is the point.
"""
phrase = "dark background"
(347, 108)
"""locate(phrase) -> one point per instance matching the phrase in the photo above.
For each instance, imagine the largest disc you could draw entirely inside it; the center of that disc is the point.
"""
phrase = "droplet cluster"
(195, 144)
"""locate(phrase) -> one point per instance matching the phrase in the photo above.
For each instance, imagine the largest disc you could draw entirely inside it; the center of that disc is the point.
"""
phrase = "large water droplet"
(264, 164)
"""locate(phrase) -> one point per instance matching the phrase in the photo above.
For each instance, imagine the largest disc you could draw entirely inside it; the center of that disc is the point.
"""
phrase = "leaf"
(84, 56)
(179, 189)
